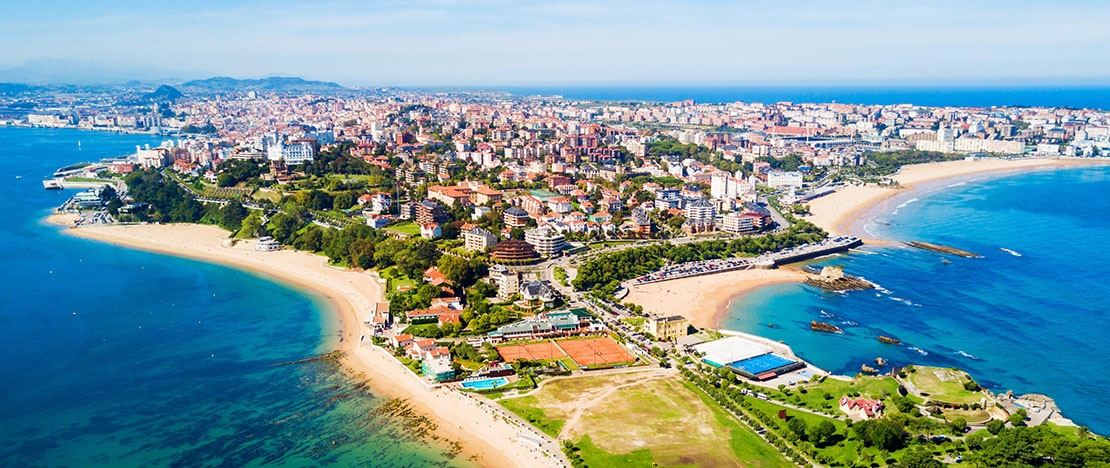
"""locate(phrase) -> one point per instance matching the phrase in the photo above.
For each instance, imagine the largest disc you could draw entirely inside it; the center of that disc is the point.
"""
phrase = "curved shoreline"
(705, 300)
(484, 437)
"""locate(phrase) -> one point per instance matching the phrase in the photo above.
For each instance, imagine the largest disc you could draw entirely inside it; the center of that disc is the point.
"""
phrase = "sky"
(570, 42)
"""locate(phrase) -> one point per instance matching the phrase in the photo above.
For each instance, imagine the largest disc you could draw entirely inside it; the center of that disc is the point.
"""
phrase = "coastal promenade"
(768, 260)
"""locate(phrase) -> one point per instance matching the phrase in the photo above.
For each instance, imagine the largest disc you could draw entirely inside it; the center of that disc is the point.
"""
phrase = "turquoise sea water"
(167, 362)
(1031, 323)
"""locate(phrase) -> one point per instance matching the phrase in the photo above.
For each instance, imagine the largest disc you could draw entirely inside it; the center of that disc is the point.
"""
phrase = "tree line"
(605, 270)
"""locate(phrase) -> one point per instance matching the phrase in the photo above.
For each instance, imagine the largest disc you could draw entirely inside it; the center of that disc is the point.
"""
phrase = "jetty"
(944, 249)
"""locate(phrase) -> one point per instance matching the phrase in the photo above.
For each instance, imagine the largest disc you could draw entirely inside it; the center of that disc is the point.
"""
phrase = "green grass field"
(815, 396)
(407, 228)
(945, 385)
(674, 424)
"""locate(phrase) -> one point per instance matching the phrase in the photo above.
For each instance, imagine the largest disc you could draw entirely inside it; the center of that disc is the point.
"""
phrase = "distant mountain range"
(223, 84)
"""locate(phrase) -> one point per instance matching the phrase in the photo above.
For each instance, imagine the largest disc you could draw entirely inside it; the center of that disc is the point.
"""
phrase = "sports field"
(532, 352)
(596, 352)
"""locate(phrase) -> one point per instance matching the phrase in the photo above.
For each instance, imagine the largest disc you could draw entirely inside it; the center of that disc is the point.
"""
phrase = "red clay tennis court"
(596, 352)
(531, 351)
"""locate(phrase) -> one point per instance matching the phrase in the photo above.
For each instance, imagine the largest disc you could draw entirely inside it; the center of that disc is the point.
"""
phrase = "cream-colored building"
(667, 328)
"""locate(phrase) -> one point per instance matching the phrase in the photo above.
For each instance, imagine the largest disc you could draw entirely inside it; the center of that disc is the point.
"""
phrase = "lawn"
(407, 228)
(395, 279)
(814, 398)
(674, 424)
(844, 450)
(944, 385)
(527, 407)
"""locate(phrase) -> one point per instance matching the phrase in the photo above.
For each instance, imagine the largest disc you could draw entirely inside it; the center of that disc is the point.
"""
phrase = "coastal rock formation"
(879, 361)
(866, 369)
(824, 327)
(944, 249)
(834, 279)
(889, 340)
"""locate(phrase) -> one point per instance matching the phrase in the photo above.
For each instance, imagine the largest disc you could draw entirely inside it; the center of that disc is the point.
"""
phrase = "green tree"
(252, 225)
(919, 458)
(822, 432)
(995, 426)
(362, 253)
(343, 201)
(798, 427)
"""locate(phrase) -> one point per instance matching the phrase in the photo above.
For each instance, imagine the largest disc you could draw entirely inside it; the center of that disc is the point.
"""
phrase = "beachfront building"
(861, 408)
(266, 244)
(743, 222)
(547, 241)
(747, 358)
(479, 239)
(668, 328)
(436, 366)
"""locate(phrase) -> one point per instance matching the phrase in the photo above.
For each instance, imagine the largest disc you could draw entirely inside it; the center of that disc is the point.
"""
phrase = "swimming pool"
(760, 364)
(485, 384)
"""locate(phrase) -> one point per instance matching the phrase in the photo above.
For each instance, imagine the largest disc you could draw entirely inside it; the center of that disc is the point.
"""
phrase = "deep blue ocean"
(1089, 97)
(1033, 320)
(114, 357)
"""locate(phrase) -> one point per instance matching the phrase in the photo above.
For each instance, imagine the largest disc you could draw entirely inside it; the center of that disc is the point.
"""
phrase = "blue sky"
(568, 42)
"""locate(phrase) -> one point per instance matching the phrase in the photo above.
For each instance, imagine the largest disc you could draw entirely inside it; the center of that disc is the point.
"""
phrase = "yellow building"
(667, 328)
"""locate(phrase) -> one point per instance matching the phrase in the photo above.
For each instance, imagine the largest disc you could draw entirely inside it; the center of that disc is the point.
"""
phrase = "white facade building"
(784, 179)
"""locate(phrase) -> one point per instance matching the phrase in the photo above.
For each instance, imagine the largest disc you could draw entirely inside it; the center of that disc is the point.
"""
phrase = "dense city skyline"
(495, 43)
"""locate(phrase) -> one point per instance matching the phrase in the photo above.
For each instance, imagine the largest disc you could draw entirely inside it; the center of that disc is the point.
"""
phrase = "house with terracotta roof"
(861, 408)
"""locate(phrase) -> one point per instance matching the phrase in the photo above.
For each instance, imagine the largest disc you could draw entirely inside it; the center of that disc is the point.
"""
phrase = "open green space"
(944, 385)
(641, 419)
(825, 396)
(407, 228)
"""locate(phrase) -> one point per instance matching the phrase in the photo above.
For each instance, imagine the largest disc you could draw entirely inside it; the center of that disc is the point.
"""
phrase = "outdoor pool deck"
(485, 384)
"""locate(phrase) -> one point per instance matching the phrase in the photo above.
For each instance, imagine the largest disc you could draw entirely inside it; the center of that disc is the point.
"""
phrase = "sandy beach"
(704, 299)
(487, 438)
(848, 209)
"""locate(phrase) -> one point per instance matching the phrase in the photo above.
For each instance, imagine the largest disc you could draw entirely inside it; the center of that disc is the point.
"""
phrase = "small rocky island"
(834, 279)
(824, 327)
(944, 249)
(889, 340)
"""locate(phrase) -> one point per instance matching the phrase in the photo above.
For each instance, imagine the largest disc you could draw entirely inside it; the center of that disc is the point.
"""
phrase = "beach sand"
(704, 299)
(848, 209)
(486, 437)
